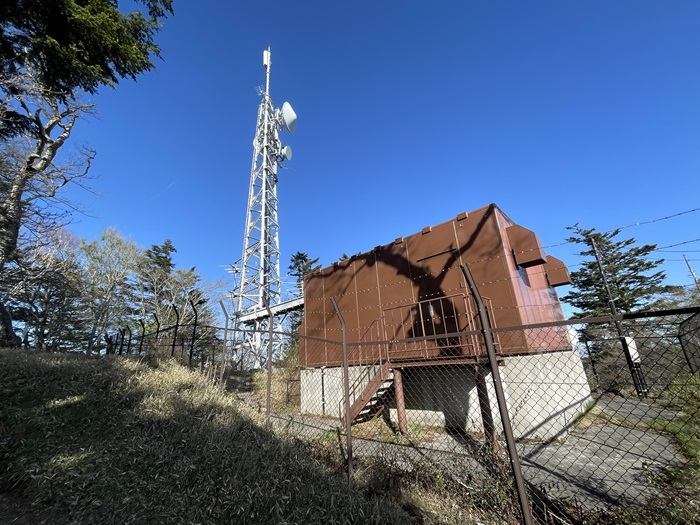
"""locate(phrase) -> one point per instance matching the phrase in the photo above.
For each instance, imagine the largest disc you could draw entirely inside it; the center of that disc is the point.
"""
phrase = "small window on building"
(521, 271)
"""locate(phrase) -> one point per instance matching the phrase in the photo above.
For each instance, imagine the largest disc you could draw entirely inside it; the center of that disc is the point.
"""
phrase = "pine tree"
(634, 279)
(154, 275)
(172, 294)
(301, 264)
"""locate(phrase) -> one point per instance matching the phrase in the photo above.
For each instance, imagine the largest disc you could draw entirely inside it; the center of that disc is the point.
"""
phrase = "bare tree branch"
(32, 175)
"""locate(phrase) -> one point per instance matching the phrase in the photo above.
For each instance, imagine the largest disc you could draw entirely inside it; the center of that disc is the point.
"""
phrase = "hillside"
(128, 441)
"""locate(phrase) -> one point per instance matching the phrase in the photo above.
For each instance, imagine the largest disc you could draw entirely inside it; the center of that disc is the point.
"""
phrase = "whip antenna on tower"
(259, 281)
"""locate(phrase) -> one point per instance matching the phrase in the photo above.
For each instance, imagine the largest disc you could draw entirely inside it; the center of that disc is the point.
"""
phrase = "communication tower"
(259, 283)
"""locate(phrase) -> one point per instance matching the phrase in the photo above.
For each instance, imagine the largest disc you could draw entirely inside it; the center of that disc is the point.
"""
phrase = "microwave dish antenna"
(259, 285)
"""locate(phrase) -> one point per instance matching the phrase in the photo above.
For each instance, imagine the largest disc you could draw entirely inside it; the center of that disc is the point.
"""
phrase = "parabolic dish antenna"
(289, 117)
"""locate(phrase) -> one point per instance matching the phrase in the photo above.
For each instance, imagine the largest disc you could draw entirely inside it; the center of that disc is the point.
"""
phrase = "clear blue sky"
(409, 113)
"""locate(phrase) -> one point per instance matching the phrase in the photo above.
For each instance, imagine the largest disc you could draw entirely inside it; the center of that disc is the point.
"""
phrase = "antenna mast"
(260, 283)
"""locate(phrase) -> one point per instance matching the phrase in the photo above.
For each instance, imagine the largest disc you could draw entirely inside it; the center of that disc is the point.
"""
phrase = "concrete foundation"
(322, 389)
(544, 394)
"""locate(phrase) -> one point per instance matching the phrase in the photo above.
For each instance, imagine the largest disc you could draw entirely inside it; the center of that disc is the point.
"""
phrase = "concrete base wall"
(544, 394)
(445, 397)
(322, 389)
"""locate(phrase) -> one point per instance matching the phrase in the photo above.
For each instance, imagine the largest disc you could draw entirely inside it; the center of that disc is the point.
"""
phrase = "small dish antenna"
(289, 117)
(286, 153)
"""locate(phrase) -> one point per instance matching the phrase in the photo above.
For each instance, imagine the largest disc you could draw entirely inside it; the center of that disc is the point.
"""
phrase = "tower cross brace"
(259, 283)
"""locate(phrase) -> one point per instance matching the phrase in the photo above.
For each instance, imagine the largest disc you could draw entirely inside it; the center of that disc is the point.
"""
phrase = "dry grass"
(126, 441)
(87, 440)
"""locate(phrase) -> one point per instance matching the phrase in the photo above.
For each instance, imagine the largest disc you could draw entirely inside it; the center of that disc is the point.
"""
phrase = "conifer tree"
(155, 274)
(301, 264)
(634, 279)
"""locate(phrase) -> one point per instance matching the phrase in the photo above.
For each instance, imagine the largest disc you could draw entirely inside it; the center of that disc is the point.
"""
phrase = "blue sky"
(409, 113)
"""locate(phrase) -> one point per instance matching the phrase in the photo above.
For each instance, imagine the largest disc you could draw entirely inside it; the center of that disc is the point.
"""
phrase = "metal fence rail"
(599, 410)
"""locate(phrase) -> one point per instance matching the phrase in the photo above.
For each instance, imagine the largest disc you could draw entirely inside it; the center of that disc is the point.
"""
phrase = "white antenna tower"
(259, 280)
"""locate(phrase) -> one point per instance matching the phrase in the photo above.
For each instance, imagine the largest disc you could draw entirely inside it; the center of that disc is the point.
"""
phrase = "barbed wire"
(641, 223)
(658, 220)
(677, 244)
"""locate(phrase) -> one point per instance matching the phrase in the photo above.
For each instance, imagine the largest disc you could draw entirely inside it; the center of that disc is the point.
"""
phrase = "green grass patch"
(681, 503)
(684, 396)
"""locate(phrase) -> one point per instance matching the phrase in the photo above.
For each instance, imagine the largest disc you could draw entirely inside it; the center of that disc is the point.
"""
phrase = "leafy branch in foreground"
(71, 47)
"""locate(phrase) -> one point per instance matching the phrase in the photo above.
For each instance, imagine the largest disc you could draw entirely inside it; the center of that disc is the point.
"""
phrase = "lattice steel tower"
(259, 281)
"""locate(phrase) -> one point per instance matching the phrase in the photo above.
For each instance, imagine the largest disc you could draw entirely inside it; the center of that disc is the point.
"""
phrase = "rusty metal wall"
(413, 290)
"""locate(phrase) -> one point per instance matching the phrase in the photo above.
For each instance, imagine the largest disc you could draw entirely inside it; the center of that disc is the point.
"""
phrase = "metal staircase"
(368, 390)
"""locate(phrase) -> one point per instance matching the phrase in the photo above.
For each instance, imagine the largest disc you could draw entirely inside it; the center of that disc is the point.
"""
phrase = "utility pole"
(258, 270)
(629, 346)
(697, 283)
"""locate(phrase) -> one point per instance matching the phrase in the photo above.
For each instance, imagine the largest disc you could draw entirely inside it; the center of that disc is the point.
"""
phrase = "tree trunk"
(33, 165)
(91, 339)
(8, 338)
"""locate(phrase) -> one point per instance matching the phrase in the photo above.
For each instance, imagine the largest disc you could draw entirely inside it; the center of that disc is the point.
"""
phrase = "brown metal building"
(411, 295)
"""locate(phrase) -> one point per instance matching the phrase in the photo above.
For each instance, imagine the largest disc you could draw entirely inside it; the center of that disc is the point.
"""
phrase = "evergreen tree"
(163, 288)
(155, 275)
(71, 46)
(301, 264)
(634, 279)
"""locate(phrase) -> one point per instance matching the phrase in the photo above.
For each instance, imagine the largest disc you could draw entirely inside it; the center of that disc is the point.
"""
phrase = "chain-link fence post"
(346, 386)
(485, 408)
(128, 343)
(223, 349)
(143, 335)
(194, 334)
(269, 361)
(500, 396)
(121, 332)
(157, 337)
(177, 324)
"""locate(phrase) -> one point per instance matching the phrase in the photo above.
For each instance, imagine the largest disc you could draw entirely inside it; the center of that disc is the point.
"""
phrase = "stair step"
(380, 381)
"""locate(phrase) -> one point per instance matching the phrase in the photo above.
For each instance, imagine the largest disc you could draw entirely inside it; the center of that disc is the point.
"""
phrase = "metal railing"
(571, 420)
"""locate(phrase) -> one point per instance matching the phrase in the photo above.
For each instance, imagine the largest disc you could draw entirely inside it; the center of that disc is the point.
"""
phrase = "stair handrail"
(369, 368)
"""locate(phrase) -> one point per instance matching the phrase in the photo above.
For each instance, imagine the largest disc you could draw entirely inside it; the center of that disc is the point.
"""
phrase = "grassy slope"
(122, 441)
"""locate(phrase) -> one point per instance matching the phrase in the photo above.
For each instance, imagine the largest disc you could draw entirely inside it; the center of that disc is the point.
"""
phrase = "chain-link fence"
(602, 413)
(569, 421)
